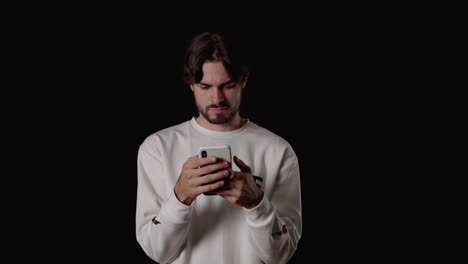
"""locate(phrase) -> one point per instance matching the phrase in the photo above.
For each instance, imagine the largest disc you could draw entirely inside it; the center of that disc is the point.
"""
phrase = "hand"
(198, 176)
(241, 189)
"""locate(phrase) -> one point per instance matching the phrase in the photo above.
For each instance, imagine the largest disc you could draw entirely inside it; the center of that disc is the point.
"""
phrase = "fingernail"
(213, 159)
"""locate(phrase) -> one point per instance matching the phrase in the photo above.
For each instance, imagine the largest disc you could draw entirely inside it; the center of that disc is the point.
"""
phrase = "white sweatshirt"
(212, 230)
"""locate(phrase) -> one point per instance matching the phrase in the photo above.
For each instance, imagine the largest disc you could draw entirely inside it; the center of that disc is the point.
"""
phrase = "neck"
(235, 123)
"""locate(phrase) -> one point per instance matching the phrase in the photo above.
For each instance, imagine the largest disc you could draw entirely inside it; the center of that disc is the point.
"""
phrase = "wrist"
(187, 200)
(256, 201)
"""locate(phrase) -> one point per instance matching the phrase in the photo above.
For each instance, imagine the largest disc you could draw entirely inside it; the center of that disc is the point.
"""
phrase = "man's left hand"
(241, 188)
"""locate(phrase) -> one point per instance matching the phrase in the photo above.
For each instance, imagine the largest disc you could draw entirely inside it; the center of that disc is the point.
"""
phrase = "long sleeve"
(275, 225)
(162, 221)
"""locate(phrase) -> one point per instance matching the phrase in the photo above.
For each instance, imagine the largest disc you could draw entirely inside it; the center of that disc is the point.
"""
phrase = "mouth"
(219, 109)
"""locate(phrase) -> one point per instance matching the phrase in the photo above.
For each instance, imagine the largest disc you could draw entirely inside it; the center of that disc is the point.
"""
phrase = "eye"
(230, 86)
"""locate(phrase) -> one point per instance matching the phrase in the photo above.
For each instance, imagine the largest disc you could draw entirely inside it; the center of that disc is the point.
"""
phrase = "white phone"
(221, 152)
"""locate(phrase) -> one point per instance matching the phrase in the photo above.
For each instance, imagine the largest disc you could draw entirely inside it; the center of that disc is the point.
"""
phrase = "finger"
(210, 187)
(210, 178)
(224, 193)
(197, 162)
(192, 158)
(242, 166)
(189, 162)
(213, 167)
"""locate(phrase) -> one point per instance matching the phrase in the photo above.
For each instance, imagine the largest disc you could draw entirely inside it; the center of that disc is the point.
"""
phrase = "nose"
(217, 95)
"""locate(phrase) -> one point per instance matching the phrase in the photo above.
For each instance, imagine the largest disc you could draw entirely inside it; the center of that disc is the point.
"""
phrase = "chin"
(218, 121)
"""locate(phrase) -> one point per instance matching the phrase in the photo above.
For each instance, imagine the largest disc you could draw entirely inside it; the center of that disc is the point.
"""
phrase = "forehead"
(214, 73)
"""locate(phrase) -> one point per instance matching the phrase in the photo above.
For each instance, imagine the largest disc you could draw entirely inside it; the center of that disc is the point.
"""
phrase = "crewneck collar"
(218, 134)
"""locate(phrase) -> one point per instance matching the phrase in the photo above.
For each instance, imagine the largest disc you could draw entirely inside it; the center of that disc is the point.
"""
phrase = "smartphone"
(221, 152)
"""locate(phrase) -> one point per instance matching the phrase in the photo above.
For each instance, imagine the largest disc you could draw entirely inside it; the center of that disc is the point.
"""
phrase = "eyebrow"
(223, 84)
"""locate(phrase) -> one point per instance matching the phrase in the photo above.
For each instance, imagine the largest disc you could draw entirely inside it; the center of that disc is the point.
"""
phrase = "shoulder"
(156, 140)
(264, 134)
(274, 141)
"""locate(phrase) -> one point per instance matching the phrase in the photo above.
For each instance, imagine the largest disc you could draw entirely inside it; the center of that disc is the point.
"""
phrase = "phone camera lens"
(203, 154)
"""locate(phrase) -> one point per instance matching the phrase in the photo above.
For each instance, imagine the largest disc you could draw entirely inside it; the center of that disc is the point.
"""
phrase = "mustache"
(220, 104)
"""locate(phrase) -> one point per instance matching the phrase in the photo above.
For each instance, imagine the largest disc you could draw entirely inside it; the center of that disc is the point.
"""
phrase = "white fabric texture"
(212, 230)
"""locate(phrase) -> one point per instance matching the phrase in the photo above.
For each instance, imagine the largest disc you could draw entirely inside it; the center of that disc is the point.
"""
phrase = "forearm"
(274, 238)
(162, 235)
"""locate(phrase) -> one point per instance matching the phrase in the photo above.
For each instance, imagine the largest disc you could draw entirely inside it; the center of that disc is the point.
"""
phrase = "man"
(255, 214)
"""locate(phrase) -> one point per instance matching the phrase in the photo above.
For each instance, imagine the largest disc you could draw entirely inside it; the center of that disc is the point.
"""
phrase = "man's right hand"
(200, 175)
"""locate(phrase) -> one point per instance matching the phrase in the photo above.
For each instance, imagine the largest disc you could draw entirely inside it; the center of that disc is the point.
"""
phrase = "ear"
(191, 87)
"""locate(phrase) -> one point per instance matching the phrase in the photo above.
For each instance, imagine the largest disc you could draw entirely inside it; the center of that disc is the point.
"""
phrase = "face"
(216, 95)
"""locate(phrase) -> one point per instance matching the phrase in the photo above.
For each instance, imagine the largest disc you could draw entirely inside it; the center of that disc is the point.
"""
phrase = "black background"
(96, 92)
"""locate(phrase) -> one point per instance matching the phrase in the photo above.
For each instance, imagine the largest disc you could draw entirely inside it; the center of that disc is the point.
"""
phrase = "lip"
(219, 109)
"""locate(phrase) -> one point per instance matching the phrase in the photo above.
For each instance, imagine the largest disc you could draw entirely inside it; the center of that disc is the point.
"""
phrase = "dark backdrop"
(162, 100)
(121, 86)
(98, 91)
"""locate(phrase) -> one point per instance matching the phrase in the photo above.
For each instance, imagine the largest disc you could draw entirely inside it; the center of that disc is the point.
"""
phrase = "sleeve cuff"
(175, 211)
(260, 213)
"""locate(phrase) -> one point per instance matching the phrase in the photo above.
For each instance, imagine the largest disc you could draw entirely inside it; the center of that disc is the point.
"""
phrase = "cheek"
(198, 96)
(201, 99)
(234, 94)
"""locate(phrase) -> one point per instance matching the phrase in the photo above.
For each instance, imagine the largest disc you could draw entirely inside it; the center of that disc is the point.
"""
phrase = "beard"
(219, 118)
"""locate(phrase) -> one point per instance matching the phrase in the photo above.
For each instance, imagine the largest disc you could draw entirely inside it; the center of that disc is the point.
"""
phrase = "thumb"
(242, 166)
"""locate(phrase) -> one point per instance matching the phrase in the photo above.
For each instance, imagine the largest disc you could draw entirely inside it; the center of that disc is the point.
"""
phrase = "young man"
(255, 214)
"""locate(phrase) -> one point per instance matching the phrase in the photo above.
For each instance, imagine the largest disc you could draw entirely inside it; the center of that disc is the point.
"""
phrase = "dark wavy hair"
(228, 48)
